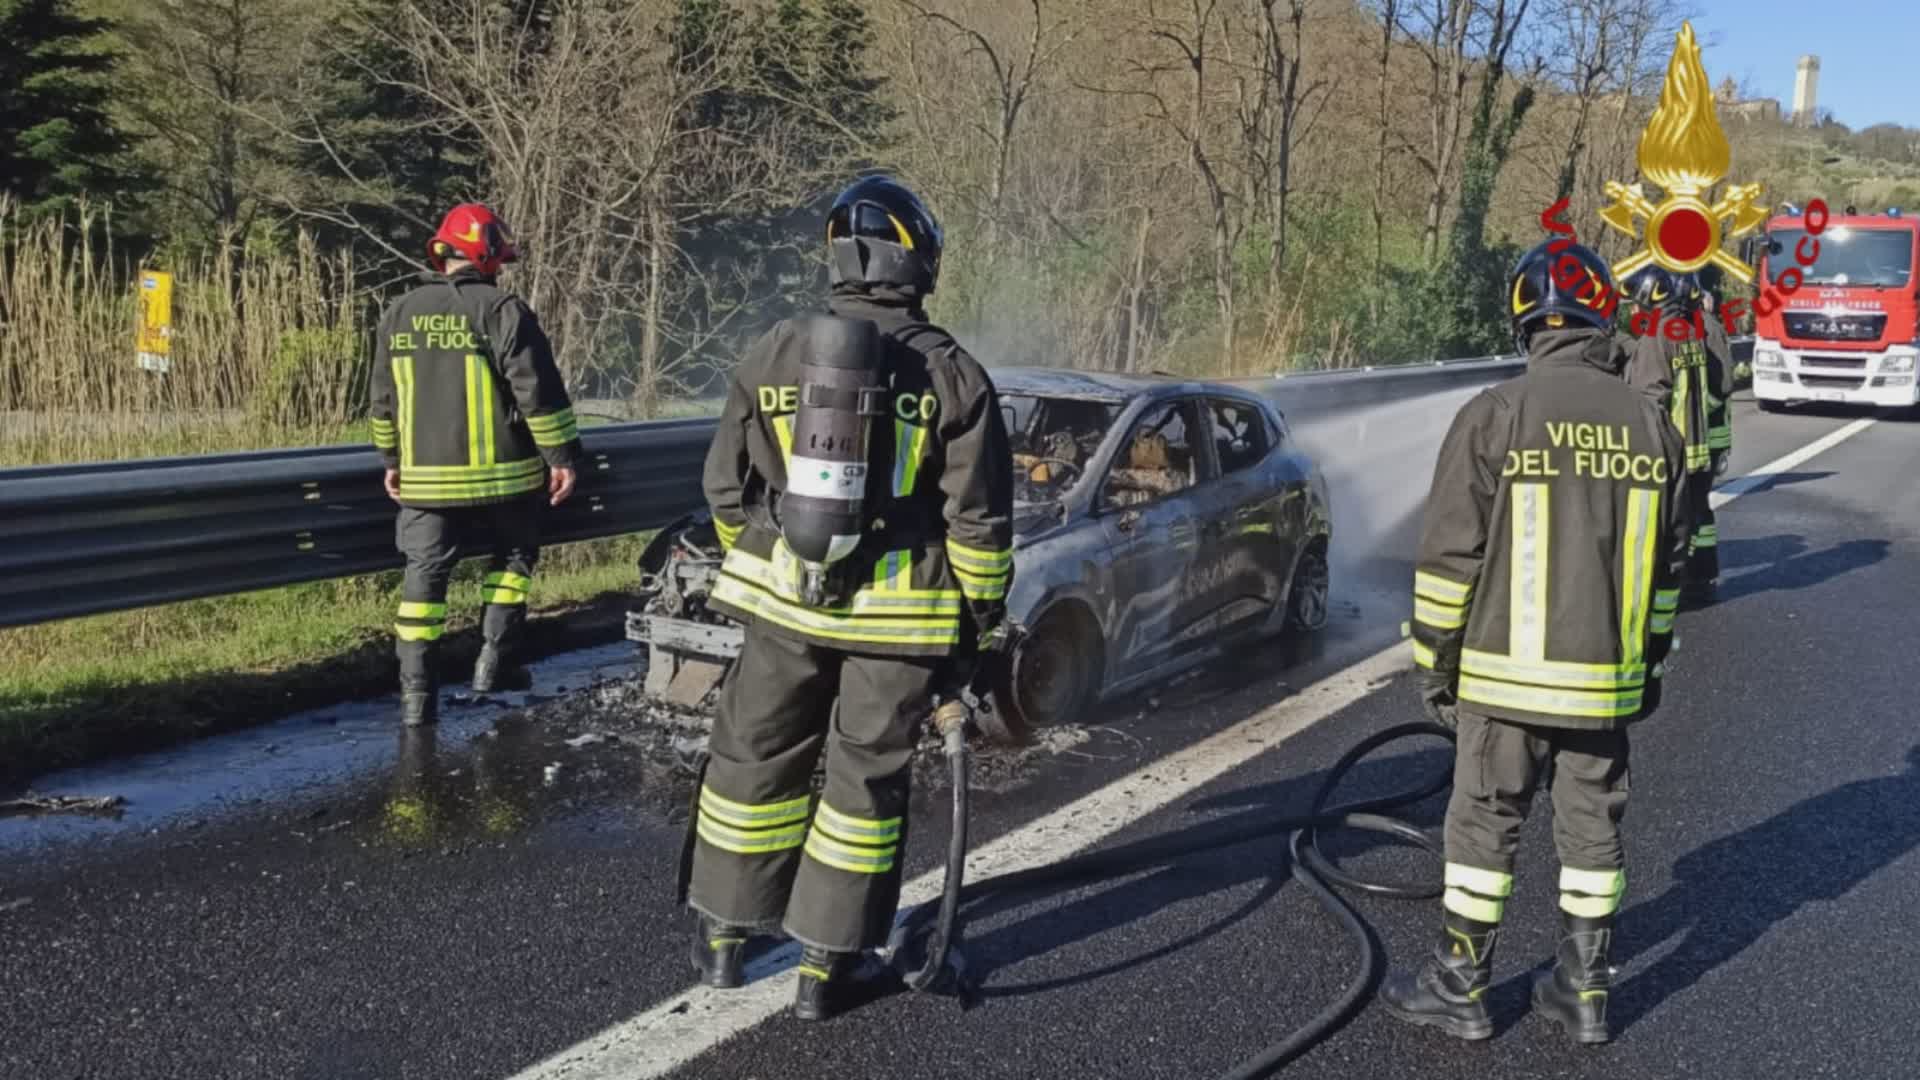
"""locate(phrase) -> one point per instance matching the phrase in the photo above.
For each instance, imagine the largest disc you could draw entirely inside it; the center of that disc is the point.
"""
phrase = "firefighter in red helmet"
(474, 423)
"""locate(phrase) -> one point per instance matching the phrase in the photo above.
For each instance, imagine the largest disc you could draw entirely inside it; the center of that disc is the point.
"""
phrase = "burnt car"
(1157, 523)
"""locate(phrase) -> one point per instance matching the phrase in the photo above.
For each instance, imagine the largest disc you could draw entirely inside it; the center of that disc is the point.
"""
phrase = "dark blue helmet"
(880, 233)
(1556, 290)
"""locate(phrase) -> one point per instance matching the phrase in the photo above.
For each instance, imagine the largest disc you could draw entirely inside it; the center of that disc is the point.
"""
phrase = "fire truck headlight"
(1898, 360)
(1768, 358)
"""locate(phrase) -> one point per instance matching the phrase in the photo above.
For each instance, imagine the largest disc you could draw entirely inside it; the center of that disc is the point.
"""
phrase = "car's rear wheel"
(1057, 669)
(1308, 599)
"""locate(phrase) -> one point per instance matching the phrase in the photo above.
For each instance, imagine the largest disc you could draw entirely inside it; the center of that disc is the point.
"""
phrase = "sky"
(1866, 50)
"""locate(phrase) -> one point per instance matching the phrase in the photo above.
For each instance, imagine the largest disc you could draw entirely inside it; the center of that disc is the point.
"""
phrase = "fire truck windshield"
(1878, 258)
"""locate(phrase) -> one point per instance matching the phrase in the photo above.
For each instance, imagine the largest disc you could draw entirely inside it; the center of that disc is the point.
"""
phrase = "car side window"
(1241, 437)
(1157, 459)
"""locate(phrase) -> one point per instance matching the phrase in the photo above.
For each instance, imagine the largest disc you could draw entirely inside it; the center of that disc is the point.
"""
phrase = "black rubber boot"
(833, 982)
(717, 949)
(1446, 992)
(491, 672)
(419, 683)
(1574, 993)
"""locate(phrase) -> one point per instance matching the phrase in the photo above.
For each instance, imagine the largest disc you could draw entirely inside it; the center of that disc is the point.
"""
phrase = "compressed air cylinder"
(841, 388)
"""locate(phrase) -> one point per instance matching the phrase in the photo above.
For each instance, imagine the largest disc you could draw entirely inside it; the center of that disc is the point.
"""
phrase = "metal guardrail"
(84, 539)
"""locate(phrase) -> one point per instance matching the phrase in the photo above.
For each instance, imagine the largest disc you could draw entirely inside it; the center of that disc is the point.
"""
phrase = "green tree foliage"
(57, 141)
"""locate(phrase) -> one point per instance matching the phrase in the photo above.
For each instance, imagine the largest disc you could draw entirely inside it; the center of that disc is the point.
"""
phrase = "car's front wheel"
(1056, 670)
(1307, 600)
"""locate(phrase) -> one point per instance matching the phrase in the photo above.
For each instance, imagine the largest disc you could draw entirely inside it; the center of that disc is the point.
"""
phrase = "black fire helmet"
(1556, 290)
(880, 234)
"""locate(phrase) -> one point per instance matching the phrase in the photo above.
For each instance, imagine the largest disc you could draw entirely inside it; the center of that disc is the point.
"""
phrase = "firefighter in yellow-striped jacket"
(1692, 378)
(478, 435)
(849, 679)
(1544, 600)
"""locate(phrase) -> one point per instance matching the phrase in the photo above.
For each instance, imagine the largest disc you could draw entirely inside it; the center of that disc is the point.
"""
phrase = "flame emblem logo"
(1685, 152)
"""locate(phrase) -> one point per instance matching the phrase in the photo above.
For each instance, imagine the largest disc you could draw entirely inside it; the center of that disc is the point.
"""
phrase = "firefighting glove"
(1650, 694)
(1437, 698)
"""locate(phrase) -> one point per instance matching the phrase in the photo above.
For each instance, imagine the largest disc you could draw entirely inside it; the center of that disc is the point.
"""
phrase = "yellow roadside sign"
(154, 334)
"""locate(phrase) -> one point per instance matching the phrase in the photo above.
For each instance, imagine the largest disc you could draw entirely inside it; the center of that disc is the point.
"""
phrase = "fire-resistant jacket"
(1555, 537)
(466, 400)
(1720, 387)
(939, 501)
(1693, 383)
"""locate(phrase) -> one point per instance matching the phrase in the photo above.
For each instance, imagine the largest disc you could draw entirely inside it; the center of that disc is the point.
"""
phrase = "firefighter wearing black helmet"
(846, 677)
(1689, 374)
(1544, 601)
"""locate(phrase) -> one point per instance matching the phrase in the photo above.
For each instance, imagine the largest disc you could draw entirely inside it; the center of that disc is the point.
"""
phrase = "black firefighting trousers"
(769, 856)
(1703, 546)
(1498, 766)
(433, 542)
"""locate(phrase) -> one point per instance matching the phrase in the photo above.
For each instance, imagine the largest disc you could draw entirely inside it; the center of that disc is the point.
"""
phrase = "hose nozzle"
(951, 716)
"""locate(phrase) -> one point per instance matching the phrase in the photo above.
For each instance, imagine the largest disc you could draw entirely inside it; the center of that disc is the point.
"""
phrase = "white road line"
(681, 1028)
(689, 1024)
(1733, 489)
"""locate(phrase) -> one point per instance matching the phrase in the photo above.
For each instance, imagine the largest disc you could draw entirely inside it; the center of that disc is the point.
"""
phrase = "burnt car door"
(1246, 546)
(1146, 512)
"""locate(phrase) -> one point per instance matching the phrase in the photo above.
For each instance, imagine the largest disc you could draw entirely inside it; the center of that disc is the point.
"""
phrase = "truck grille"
(1814, 326)
(1835, 363)
(1832, 382)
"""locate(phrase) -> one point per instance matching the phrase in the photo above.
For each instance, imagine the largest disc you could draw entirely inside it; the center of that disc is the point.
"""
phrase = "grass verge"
(84, 689)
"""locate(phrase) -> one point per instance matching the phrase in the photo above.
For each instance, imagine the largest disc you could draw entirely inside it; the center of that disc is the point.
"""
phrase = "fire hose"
(1311, 867)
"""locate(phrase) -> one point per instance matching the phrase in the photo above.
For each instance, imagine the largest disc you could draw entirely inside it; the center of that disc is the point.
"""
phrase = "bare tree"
(1270, 109)
(1441, 36)
(1171, 68)
(1389, 14)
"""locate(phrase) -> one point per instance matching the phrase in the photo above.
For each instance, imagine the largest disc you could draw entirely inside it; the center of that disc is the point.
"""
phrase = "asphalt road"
(315, 899)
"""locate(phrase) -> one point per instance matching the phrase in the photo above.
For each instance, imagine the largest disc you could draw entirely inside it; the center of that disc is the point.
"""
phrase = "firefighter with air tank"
(476, 429)
(1690, 374)
(861, 484)
(1544, 600)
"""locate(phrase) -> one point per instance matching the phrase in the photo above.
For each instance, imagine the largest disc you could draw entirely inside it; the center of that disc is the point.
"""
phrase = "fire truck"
(1848, 334)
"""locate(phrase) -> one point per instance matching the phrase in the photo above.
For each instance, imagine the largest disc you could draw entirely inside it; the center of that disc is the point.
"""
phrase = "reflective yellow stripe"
(419, 633)
(909, 445)
(783, 433)
(1661, 623)
(886, 631)
(750, 841)
(1477, 908)
(1550, 702)
(1438, 616)
(1553, 673)
(1589, 907)
(1666, 600)
(473, 414)
(1636, 572)
(456, 492)
(1707, 536)
(856, 830)
(893, 572)
(1528, 629)
(403, 385)
(1423, 656)
(1719, 438)
(420, 609)
(858, 860)
(1682, 392)
(729, 534)
(1439, 589)
(1492, 883)
(978, 560)
(509, 579)
(983, 592)
(1593, 882)
(384, 435)
(556, 428)
(499, 470)
(486, 412)
(896, 600)
(502, 597)
(753, 815)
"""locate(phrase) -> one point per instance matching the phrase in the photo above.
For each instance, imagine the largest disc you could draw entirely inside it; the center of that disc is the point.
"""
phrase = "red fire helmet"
(476, 234)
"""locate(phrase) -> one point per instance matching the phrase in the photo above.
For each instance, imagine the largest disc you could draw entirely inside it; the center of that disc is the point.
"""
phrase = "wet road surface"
(324, 898)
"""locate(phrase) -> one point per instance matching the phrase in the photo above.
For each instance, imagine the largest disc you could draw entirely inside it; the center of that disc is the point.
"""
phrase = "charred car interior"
(1157, 522)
